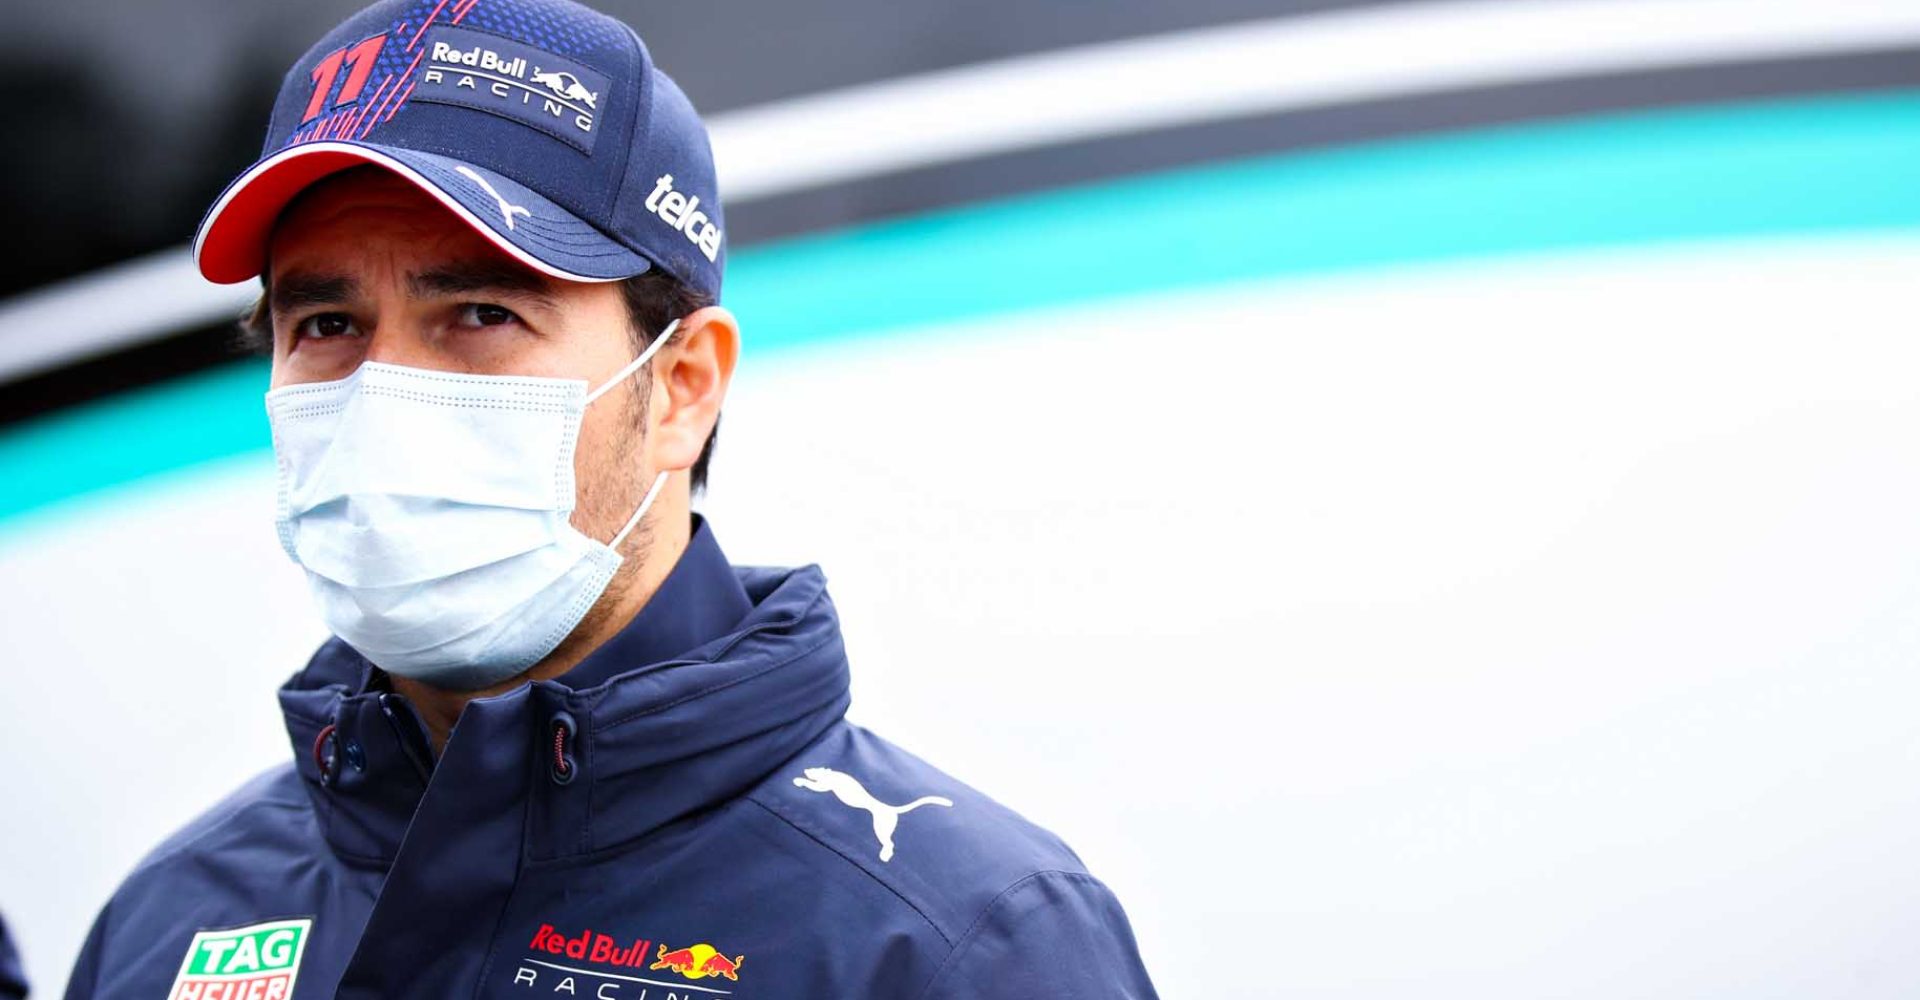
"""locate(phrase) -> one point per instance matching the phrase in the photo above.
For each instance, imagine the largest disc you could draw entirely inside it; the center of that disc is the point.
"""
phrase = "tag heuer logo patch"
(257, 962)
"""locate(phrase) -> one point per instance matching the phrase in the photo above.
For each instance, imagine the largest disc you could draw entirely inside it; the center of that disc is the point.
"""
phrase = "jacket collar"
(700, 600)
(648, 740)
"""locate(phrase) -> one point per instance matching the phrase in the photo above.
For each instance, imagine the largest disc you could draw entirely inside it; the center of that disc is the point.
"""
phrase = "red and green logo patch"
(256, 962)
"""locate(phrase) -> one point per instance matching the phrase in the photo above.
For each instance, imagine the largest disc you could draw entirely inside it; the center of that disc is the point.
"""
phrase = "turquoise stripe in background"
(1715, 172)
(1777, 167)
(200, 418)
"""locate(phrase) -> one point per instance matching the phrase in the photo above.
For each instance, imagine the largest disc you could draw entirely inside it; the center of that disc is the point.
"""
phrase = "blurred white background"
(1505, 629)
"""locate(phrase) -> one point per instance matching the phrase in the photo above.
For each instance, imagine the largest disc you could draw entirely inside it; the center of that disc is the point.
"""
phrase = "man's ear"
(691, 376)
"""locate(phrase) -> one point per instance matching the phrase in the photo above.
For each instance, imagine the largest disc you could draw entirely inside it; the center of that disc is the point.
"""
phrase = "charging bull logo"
(698, 962)
(567, 85)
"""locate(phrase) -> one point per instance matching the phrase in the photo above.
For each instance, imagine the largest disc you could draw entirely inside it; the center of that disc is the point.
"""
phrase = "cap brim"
(232, 242)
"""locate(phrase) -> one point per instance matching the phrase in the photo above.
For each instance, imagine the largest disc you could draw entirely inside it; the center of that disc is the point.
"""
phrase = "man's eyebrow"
(303, 288)
(481, 276)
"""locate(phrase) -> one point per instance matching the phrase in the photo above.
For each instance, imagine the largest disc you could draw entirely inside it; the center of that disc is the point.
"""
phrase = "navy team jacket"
(13, 979)
(699, 827)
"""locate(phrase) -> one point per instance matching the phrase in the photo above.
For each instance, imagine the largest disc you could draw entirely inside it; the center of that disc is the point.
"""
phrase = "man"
(558, 745)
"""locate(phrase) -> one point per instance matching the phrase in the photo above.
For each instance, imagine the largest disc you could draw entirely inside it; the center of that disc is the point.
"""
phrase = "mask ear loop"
(634, 365)
(653, 491)
(620, 376)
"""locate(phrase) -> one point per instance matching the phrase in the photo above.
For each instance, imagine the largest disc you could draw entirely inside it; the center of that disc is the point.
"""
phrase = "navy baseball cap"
(543, 124)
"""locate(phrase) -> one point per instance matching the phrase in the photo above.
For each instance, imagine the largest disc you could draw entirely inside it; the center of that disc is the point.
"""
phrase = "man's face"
(366, 267)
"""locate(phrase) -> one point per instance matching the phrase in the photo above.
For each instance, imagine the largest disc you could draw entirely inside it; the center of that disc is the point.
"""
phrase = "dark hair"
(653, 300)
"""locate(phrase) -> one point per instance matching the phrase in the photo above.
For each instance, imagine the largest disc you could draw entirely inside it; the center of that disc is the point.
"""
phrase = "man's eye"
(483, 314)
(323, 325)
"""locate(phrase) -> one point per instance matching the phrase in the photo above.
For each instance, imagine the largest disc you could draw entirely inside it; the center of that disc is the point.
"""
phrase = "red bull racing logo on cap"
(495, 74)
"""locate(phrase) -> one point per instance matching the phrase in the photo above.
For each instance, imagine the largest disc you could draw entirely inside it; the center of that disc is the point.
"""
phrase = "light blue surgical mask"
(430, 512)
